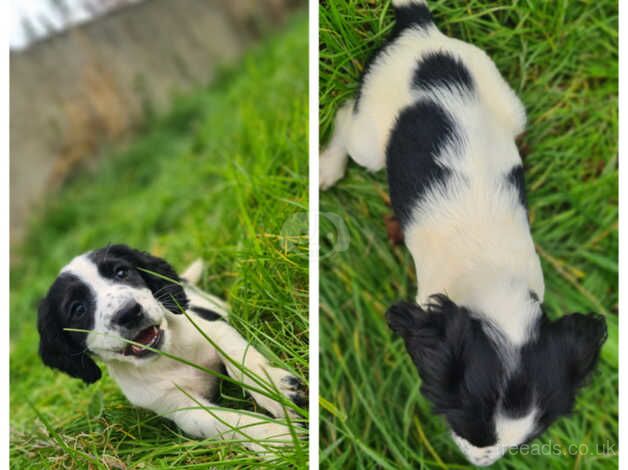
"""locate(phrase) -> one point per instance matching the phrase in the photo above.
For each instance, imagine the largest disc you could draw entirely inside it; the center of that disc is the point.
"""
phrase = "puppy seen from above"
(436, 113)
(132, 311)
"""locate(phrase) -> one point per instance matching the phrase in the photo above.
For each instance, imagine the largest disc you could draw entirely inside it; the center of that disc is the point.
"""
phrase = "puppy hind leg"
(333, 160)
(494, 90)
(199, 418)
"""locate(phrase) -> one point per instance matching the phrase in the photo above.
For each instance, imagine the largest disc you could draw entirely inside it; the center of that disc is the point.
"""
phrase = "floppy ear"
(457, 362)
(404, 317)
(57, 350)
(435, 339)
(159, 276)
(578, 339)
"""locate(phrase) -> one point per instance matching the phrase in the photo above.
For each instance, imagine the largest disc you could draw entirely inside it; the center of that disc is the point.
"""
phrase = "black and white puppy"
(436, 112)
(119, 294)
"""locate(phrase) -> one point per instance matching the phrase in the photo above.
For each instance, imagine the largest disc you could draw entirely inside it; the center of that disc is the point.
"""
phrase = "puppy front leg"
(199, 418)
(236, 351)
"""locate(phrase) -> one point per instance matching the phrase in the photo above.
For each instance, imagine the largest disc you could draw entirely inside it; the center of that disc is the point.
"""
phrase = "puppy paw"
(293, 388)
(331, 169)
(289, 386)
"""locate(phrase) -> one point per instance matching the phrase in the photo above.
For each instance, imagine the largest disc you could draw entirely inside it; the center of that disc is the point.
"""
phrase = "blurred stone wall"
(92, 84)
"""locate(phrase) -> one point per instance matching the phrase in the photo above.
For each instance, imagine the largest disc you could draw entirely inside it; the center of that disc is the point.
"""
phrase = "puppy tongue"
(147, 336)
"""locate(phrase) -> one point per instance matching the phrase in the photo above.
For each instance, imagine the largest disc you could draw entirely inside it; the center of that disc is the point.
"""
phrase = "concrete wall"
(90, 85)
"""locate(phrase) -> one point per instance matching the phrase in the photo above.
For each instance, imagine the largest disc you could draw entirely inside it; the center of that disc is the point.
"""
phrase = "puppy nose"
(128, 315)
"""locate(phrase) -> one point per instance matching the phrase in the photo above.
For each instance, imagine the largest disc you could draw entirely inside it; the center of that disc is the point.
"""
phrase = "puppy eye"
(121, 272)
(77, 309)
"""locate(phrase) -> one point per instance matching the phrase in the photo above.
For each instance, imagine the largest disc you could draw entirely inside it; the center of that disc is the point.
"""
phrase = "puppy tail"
(411, 13)
(193, 272)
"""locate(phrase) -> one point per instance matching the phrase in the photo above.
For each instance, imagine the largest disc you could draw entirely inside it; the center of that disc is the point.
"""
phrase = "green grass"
(223, 176)
(561, 58)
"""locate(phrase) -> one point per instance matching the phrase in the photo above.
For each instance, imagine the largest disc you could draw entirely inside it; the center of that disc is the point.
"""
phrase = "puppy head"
(491, 401)
(115, 293)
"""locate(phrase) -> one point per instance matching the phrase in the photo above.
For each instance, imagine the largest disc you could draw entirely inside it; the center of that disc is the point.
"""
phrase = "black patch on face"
(419, 135)
(440, 69)
(516, 179)
(205, 313)
(144, 269)
(68, 304)
(518, 396)
(110, 265)
(458, 364)
(409, 16)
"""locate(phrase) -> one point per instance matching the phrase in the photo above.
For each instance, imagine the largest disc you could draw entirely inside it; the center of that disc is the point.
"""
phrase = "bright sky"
(33, 9)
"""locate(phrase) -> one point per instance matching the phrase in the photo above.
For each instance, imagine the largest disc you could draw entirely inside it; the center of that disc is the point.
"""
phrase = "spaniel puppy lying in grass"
(437, 114)
(165, 343)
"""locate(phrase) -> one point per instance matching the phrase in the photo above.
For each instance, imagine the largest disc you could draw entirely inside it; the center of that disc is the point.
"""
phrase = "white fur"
(510, 432)
(465, 237)
(175, 390)
(403, 3)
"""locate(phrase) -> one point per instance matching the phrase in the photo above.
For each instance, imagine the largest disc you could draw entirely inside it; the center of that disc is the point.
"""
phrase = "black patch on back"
(205, 313)
(405, 17)
(516, 179)
(419, 135)
(440, 69)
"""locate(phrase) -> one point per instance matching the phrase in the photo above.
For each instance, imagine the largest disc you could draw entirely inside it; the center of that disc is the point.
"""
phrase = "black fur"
(410, 16)
(155, 273)
(516, 179)
(60, 349)
(559, 361)
(440, 69)
(464, 378)
(419, 135)
(458, 364)
(205, 313)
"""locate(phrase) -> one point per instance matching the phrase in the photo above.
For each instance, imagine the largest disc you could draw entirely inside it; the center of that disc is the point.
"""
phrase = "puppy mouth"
(148, 338)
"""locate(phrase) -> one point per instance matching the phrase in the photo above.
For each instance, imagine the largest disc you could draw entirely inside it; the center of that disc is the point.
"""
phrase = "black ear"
(577, 339)
(443, 340)
(158, 274)
(430, 337)
(457, 362)
(57, 350)
(405, 318)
